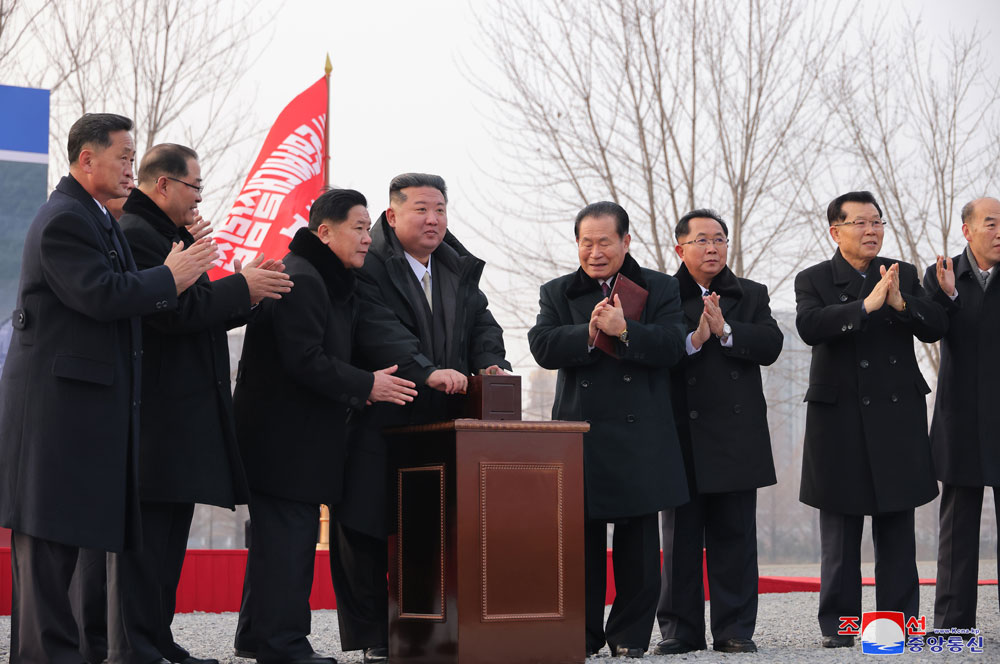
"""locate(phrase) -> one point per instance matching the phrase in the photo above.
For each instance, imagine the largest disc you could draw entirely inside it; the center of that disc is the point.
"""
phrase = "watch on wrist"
(726, 332)
(623, 337)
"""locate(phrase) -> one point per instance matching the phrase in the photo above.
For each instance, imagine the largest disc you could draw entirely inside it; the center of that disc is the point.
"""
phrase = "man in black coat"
(721, 416)
(187, 447)
(295, 390)
(866, 445)
(70, 392)
(420, 272)
(964, 430)
(631, 456)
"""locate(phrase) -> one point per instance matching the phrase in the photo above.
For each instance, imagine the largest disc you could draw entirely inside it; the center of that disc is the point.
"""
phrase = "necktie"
(605, 289)
(985, 277)
(425, 281)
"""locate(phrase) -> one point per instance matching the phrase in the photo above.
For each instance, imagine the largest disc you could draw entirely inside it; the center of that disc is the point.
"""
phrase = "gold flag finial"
(329, 65)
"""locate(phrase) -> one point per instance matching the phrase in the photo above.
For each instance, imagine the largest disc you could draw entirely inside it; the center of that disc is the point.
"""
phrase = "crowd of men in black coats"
(363, 327)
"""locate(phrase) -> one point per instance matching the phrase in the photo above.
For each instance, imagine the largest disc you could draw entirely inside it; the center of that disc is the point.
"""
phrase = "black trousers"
(88, 596)
(956, 592)
(142, 587)
(358, 566)
(727, 525)
(281, 560)
(635, 558)
(42, 628)
(246, 639)
(897, 587)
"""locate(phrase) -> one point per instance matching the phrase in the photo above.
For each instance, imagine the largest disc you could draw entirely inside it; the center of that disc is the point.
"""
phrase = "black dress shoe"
(838, 641)
(376, 654)
(245, 654)
(735, 645)
(625, 651)
(314, 658)
(197, 660)
(673, 646)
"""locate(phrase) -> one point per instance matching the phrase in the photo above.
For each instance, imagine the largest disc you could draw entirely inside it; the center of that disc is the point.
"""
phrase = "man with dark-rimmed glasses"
(866, 446)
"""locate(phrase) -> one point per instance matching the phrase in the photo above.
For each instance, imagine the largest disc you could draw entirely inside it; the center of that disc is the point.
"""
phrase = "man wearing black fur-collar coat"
(718, 401)
(187, 445)
(295, 390)
(421, 273)
(632, 460)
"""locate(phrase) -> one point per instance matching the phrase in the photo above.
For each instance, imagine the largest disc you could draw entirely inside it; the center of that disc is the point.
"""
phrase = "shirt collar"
(419, 269)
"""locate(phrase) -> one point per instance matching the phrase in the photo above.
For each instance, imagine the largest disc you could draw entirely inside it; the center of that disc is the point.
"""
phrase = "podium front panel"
(513, 543)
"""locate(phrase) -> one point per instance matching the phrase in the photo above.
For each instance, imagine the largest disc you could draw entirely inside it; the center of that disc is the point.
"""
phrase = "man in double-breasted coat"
(295, 390)
(70, 392)
(866, 445)
(631, 457)
(721, 415)
(965, 430)
(187, 446)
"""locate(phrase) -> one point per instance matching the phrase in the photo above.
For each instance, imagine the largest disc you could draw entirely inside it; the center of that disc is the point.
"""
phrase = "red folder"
(633, 299)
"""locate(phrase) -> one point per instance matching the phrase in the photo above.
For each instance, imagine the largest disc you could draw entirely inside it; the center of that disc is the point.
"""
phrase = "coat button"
(20, 318)
(627, 378)
(892, 359)
(850, 326)
(737, 409)
(863, 364)
(630, 418)
(692, 381)
(843, 328)
(734, 375)
(693, 414)
(894, 398)
(865, 400)
(584, 383)
(843, 297)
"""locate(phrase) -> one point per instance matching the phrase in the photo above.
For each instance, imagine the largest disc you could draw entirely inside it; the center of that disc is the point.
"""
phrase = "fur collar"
(339, 280)
(143, 206)
(725, 284)
(582, 283)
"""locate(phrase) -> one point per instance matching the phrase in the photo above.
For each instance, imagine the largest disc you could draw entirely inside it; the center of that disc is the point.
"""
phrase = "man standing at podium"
(631, 457)
(422, 273)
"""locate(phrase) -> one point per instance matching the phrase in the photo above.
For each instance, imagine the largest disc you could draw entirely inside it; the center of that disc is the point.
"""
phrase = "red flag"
(284, 181)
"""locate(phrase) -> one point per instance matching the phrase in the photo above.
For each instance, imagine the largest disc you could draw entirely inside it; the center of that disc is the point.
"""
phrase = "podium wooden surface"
(486, 564)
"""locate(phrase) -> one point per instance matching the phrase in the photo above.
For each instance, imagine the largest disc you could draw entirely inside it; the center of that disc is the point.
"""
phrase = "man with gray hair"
(417, 269)
(966, 419)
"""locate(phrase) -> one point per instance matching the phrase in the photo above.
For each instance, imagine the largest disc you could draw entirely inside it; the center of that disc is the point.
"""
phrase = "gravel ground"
(786, 629)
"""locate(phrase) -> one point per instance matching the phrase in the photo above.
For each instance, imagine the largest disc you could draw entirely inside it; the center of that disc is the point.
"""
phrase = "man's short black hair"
(333, 205)
(406, 180)
(603, 209)
(94, 129)
(835, 212)
(165, 159)
(684, 224)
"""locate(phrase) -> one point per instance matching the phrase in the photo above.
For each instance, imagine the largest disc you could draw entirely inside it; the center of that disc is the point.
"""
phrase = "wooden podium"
(486, 564)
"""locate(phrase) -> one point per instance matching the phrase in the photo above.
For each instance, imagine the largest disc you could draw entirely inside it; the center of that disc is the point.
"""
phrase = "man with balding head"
(964, 431)
(187, 447)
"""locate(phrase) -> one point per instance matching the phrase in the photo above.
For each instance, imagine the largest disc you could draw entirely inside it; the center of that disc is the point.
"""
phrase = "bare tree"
(174, 66)
(661, 106)
(921, 121)
(16, 20)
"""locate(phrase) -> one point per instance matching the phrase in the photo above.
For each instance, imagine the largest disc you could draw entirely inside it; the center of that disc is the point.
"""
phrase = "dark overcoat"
(866, 446)
(70, 392)
(718, 396)
(632, 459)
(965, 429)
(474, 342)
(187, 446)
(296, 385)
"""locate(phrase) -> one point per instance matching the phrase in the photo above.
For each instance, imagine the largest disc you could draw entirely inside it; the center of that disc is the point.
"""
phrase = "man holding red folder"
(632, 460)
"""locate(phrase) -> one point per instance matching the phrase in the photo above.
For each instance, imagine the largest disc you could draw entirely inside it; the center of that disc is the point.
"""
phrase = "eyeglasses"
(703, 242)
(876, 224)
(198, 188)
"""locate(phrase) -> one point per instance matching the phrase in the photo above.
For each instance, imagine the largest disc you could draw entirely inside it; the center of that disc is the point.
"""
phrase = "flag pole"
(326, 138)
